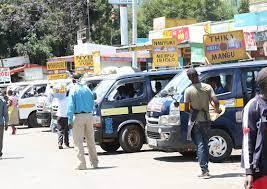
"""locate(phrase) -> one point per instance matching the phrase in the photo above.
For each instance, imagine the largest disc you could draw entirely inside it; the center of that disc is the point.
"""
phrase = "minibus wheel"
(220, 145)
(32, 120)
(131, 138)
(110, 147)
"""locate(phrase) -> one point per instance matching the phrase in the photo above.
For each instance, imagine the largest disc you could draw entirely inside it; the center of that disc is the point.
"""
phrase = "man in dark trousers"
(197, 99)
(3, 121)
(254, 156)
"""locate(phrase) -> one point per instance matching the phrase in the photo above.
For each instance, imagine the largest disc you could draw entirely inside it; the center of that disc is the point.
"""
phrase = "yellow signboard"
(165, 59)
(165, 52)
(83, 61)
(58, 65)
(224, 47)
(57, 76)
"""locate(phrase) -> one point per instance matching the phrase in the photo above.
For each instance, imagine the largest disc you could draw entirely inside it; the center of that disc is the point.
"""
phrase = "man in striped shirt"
(254, 156)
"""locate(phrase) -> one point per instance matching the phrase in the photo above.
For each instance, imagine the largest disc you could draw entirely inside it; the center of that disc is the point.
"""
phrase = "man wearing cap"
(197, 99)
(80, 109)
(254, 156)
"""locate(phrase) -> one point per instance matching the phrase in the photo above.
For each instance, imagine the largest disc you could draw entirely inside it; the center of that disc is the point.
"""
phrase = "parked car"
(119, 117)
(166, 127)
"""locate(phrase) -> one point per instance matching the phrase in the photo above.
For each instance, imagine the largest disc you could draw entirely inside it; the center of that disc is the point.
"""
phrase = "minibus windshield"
(103, 88)
(177, 85)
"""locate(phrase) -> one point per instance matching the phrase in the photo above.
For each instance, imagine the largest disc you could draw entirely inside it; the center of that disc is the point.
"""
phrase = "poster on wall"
(250, 41)
(224, 47)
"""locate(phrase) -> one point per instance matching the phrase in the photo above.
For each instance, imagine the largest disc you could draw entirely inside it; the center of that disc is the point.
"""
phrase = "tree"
(244, 7)
(47, 28)
(202, 10)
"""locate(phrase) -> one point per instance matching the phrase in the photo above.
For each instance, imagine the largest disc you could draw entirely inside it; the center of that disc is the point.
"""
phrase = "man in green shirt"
(197, 99)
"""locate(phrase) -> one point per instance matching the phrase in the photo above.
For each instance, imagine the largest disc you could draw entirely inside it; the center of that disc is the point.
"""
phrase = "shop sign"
(224, 47)
(57, 76)
(250, 41)
(57, 70)
(5, 75)
(165, 52)
(58, 65)
(83, 61)
(181, 34)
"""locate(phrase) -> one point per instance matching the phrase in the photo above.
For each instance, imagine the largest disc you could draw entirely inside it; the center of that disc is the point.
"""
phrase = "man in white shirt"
(62, 118)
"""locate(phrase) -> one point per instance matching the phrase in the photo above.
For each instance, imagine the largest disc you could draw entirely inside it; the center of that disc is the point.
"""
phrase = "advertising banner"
(250, 41)
(224, 47)
(84, 63)
(57, 70)
(5, 75)
(181, 34)
(165, 52)
(197, 53)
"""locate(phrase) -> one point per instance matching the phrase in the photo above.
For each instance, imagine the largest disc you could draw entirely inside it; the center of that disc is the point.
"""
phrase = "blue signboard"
(251, 19)
(142, 40)
(122, 2)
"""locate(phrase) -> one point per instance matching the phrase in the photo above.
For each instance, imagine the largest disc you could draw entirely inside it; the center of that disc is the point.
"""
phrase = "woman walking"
(13, 111)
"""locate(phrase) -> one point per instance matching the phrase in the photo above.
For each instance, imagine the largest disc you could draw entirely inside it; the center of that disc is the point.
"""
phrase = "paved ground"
(31, 160)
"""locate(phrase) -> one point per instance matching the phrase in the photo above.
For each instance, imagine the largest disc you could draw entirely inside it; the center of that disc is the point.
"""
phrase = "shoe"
(81, 167)
(60, 147)
(94, 165)
(13, 130)
(67, 145)
(204, 175)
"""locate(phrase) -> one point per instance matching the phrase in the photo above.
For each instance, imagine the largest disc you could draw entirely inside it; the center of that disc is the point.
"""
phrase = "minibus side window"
(159, 82)
(249, 84)
(221, 83)
(127, 91)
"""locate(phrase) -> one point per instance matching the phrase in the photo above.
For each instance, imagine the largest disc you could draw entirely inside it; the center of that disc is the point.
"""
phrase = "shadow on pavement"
(3, 158)
(119, 152)
(111, 167)
(175, 159)
(23, 127)
(234, 159)
(228, 175)
(47, 131)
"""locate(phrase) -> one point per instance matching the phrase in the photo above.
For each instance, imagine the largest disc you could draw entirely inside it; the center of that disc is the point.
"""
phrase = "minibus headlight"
(169, 120)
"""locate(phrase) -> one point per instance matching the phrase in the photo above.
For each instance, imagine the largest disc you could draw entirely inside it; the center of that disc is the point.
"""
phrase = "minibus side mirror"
(164, 93)
(95, 95)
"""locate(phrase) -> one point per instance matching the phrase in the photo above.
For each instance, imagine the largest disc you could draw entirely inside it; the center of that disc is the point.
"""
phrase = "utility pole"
(124, 24)
(134, 41)
(88, 20)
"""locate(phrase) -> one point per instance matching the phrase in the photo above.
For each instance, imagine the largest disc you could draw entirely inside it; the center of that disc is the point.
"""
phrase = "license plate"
(152, 142)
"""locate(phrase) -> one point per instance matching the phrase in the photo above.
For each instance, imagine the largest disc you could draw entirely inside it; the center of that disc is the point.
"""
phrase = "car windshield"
(178, 84)
(103, 87)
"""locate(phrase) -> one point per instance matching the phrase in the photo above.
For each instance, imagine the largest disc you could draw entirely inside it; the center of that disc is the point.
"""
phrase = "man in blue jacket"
(80, 109)
(3, 121)
(254, 156)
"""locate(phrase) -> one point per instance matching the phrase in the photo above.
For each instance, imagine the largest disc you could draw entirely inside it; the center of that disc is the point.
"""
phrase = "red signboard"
(181, 34)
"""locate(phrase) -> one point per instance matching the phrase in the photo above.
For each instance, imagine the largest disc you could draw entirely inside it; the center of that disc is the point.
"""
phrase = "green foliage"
(46, 28)
(244, 6)
(202, 10)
